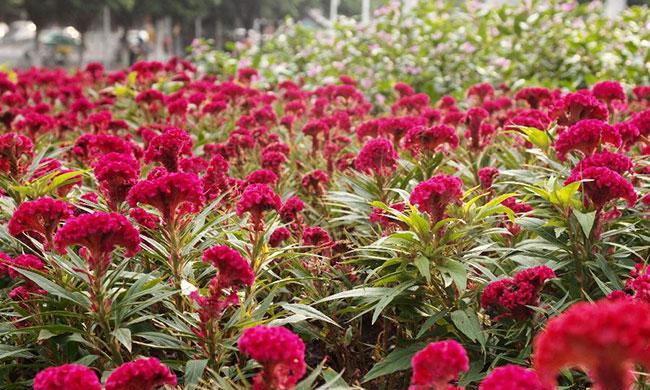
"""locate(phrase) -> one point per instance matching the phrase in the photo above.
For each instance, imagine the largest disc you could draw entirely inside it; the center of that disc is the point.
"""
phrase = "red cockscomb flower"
(16, 152)
(509, 298)
(140, 374)
(116, 174)
(608, 91)
(434, 195)
(280, 352)
(475, 117)
(168, 147)
(606, 339)
(534, 96)
(168, 193)
(619, 163)
(291, 208)
(439, 363)
(233, 269)
(603, 185)
(26, 262)
(425, 140)
(511, 377)
(256, 200)
(486, 176)
(100, 233)
(279, 236)
(575, 107)
(40, 217)
(378, 157)
(586, 136)
(314, 182)
(68, 377)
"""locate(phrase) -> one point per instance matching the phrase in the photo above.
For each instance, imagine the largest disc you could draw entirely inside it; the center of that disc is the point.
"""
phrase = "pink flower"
(434, 195)
(606, 339)
(145, 219)
(510, 298)
(642, 122)
(280, 352)
(233, 269)
(116, 174)
(475, 117)
(603, 185)
(438, 364)
(68, 377)
(262, 176)
(378, 157)
(486, 176)
(29, 262)
(279, 236)
(511, 377)
(16, 152)
(40, 218)
(314, 182)
(608, 91)
(168, 147)
(421, 139)
(140, 374)
(316, 236)
(586, 136)
(291, 208)
(575, 107)
(100, 233)
(258, 199)
(167, 193)
(618, 163)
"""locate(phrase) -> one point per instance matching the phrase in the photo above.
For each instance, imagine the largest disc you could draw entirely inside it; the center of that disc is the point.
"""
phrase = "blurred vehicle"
(58, 45)
(20, 31)
(139, 45)
(4, 29)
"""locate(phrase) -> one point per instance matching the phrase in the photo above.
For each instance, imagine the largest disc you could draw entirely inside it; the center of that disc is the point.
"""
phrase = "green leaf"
(387, 299)
(308, 312)
(468, 324)
(397, 360)
(55, 289)
(123, 335)
(422, 262)
(586, 220)
(368, 292)
(457, 272)
(429, 322)
(193, 372)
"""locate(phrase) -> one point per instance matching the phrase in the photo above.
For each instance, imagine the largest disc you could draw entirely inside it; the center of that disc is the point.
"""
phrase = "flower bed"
(164, 227)
(445, 47)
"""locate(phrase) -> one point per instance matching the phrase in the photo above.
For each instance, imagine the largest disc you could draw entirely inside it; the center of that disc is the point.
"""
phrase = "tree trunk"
(36, 59)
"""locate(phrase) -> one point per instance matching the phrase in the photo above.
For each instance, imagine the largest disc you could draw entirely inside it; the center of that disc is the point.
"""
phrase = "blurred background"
(119, 32)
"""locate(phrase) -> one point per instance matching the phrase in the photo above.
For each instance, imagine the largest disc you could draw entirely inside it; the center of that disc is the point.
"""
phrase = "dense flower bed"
(443, 47)
(162, 227)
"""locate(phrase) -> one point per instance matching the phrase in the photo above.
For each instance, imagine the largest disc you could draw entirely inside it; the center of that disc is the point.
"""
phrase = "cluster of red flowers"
(509, 298)
(281, 354)
(140, 374)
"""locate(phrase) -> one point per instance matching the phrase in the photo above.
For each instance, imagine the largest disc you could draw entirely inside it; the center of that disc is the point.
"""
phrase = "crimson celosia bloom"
(642, 122)
(167, 193)
(575, 107)
(100, 233)
(90, 147)
(39, 218)
(116, 174)
(280, 352)
(16, 152)
(434, 195)
(279, 236)
(474, 119)
(314, 182)
(168, 147)
(144, 218)
(256, 200)
(602, 185)
(509, 298)
(140, 374)
(262, 176)
(316, 236)
(617, 162)
(534, 96)
(629, 133)
(486, 176)
(438, 364)
(605, 339)
(377, 157)
(586, 136)
(233, 269)
(26, 262)
(291, 208)
(68, 377)
(511, 377)
(421, 139)
(608, 91)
